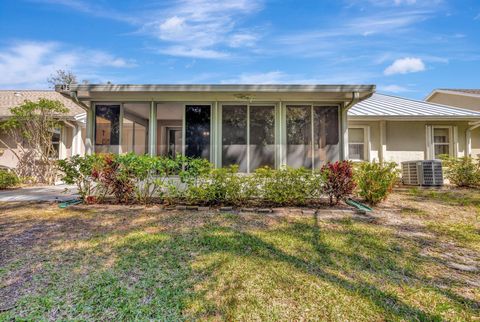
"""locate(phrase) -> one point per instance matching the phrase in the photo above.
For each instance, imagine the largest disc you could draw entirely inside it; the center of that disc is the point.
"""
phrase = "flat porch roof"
(220, 92)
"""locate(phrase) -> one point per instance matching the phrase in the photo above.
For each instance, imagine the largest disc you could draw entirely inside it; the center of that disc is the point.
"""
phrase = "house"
(254, 125)
(248, 125)
(67, 140)
(389, 128)
(461, 98)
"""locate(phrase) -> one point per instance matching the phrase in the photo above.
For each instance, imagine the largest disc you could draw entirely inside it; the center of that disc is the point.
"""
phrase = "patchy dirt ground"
(417, 256)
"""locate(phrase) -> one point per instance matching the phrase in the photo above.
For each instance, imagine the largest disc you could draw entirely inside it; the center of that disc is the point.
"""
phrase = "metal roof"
(215, 88)
(386, 106)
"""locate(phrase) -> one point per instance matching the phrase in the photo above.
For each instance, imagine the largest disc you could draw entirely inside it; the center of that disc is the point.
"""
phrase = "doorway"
(174, 139)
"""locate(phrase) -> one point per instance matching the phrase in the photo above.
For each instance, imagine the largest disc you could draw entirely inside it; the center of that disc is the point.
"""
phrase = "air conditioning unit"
(422, 173)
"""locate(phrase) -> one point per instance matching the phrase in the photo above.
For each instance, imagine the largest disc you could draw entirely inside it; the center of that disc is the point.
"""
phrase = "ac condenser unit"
(422, 173)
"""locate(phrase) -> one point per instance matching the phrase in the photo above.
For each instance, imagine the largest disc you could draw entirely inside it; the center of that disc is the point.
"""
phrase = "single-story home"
(68, 140)
(389, 128)
(461, 98)
(248, 125)
(254, 125)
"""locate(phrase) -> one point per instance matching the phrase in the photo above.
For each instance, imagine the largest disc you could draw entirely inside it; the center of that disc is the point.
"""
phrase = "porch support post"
(383, 141)
(216, 135)
(468, 143)
(281, 137)
(344, 134)
(152, 130)
(90, 131)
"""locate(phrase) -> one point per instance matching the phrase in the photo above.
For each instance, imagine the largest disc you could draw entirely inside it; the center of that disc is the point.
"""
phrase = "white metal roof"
(386, 106)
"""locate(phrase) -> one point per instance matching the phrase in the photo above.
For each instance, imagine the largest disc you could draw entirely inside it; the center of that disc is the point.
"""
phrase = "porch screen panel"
(127, 135)
(107, 128)
(141, 140)
(299, 136)
(262, 137)
(326, 135)
(197, 131)
(234, 136)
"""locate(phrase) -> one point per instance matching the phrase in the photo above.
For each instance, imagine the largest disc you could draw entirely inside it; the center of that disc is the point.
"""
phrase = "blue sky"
(405, 47)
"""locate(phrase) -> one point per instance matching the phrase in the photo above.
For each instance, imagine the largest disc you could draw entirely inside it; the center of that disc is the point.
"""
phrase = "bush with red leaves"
(338, 181)
(115, 178)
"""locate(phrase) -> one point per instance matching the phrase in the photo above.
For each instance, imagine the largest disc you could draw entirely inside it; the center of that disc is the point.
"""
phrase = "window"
(248, 136)
(441, 141)
(326, 135)
(312, 135)
(234, 136)
(56, 140)
(135, 125)
(357, 143)
(262, 137)
(107, 128)
(197, 131)
(299, 136)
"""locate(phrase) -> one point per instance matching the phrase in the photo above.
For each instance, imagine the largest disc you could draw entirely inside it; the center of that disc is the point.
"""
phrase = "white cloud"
(184, 51)
(404, 66)
(273, 77)
(396, 3)
(242, 40)
(29, 64)
(280, 77)
(198, 28)
(394, 89)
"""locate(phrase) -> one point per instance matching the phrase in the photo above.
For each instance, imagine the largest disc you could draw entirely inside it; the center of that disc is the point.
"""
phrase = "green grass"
(123, 264)
(458, 197)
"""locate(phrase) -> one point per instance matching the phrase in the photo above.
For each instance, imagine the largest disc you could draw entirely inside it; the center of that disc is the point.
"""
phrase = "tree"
(62, 77)
(31, 128)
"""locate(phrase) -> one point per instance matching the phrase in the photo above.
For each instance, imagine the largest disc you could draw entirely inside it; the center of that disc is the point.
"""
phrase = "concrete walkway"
(40, 193)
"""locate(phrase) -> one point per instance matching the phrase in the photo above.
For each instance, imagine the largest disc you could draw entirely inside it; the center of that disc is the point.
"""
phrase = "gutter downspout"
(73, 94)
(468, 137)
(344, 124)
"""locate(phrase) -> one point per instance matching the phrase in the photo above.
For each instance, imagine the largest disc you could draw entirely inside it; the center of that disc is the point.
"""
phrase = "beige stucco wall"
(406, 140)
(7, 157)
(463, 101)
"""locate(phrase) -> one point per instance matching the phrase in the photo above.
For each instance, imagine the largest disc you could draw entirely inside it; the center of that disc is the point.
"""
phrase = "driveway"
(39, 193)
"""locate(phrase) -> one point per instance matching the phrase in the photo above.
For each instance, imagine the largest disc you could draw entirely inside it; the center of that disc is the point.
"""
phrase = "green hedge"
(130, 178)
(8, 179)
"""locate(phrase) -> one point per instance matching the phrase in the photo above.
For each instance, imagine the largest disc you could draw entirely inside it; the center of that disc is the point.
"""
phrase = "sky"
(405, 47)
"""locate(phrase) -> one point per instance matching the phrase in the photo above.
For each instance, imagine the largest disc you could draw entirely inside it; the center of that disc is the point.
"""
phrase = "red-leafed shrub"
(115, 178)
(338, 180)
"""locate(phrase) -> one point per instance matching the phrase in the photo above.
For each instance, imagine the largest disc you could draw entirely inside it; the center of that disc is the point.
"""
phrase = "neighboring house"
(68, 140)
(461, 98)
(248, 125)
(389, 128)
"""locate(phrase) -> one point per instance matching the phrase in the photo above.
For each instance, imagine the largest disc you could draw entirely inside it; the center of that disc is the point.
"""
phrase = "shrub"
(375, 181)
(219, 186)
(287, 186)
(78, 171)
(8, 179)
(462, 172)
(114, 178)
(338, 182)
(149, 174)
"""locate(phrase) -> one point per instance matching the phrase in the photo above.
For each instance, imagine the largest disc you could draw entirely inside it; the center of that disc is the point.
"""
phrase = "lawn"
(415, 258)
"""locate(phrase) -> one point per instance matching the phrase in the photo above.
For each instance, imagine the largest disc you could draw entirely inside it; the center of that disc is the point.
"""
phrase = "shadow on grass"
(152, 276)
